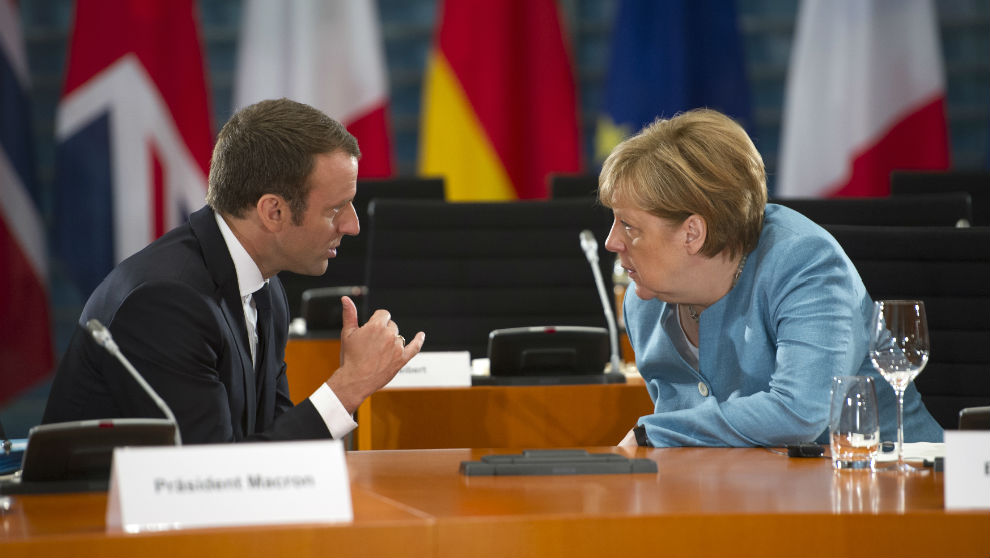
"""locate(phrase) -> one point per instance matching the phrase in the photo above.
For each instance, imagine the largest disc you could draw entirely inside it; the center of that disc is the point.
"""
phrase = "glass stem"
(900, 429)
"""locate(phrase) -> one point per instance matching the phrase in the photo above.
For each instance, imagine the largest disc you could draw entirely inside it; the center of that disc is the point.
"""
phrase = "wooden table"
(309, 362)
(501, 416)
(476, 417)
(74, 525)
(702, 502)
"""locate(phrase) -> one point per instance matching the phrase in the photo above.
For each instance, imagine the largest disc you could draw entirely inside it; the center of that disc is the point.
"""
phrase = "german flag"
(499, 101)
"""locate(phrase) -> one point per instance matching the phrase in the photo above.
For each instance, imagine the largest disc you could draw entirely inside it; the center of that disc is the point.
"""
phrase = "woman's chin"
(645, 294)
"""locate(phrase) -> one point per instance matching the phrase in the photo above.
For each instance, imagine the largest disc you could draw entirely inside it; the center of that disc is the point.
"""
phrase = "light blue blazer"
(798, 315)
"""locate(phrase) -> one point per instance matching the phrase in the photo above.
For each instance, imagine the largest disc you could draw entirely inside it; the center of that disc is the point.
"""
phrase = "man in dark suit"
(200, 311)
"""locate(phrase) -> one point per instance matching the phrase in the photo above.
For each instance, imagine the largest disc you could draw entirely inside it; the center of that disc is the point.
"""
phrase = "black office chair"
(940, 208)
(573, 186)
(460, 270)
(974, 183)
(949, 269)
(347, 269)
(949, 209)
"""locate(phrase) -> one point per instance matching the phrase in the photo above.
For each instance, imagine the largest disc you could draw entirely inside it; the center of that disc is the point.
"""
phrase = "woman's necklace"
(696, 315)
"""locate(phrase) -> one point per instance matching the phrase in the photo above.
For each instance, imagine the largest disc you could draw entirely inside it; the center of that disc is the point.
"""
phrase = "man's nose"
(351, 224)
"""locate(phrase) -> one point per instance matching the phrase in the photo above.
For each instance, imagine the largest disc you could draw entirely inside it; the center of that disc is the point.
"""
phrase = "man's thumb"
(349, 318)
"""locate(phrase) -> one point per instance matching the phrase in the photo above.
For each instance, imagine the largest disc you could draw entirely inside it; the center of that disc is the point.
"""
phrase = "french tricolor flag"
(25, 330)
(133, 132)
(327, 54)
(865, 96)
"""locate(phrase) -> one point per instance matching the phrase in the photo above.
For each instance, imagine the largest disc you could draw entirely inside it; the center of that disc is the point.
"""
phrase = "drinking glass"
(899, 351)
(854, 423)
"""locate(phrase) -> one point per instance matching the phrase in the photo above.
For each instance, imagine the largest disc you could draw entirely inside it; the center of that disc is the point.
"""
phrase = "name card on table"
(159, 488)
(967, 469)
(435, 369)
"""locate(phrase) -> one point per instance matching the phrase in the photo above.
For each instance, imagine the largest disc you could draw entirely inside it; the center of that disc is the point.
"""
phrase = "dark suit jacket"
(174, 309)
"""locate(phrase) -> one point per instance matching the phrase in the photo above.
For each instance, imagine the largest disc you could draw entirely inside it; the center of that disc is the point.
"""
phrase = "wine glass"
(899, 351)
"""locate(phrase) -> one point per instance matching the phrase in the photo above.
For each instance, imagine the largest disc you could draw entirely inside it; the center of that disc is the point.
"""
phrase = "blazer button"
(703, 389)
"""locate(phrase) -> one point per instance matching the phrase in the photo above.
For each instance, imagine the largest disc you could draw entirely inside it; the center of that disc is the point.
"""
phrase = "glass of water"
(854, 423)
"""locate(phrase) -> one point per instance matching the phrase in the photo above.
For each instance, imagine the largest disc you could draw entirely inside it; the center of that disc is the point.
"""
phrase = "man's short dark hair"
(269, 148)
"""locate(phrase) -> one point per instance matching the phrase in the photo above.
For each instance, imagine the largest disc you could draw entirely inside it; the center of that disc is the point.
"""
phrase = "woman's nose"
(612, 243)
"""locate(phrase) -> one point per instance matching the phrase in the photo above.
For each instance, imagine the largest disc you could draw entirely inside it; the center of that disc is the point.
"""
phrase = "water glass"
(854, 423)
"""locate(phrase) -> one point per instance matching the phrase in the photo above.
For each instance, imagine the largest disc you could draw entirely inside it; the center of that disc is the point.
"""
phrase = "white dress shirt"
(249, 280)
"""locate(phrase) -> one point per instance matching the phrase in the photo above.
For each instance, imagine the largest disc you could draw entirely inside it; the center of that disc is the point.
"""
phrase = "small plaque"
(435, 369)
(967, 470)
(160, 488)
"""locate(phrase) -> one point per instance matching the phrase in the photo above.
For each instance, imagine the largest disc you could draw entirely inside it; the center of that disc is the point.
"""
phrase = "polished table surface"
(702, 502)
(74, 525)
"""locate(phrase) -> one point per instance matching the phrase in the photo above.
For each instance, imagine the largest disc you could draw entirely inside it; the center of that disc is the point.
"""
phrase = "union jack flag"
(133, 132)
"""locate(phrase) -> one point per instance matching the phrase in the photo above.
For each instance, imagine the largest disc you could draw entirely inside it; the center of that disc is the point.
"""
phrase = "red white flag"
(327, 54)
(865, 96)
(25, 331)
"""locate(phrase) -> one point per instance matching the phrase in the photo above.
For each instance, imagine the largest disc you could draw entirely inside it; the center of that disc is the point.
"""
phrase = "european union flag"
(669, 57)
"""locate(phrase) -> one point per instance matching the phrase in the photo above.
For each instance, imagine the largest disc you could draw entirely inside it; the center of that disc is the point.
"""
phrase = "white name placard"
(967, 469)
(435, 369)
(158, 488)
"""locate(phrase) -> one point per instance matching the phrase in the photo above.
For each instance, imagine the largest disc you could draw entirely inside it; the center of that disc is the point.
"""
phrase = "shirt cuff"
(339, 422)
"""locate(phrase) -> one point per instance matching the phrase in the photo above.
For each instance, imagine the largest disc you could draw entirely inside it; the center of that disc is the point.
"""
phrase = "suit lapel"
(221, 267)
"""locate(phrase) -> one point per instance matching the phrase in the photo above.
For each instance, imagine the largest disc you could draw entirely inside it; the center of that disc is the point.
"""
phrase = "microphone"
(103, 338)
(590, 247)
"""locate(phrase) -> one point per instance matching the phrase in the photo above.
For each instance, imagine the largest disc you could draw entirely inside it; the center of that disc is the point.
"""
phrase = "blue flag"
(671, 56)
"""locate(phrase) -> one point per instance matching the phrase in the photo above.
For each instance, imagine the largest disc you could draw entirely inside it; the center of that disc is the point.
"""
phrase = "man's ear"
(273, 212)
(695, 233)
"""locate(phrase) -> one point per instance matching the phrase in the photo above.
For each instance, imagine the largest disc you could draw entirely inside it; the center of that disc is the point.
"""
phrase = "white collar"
(249, 278)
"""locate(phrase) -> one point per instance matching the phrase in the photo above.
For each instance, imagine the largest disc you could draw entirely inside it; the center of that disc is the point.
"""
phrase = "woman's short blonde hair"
(698, 162)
